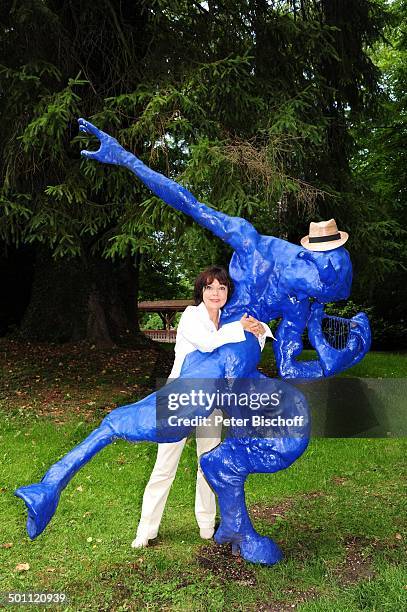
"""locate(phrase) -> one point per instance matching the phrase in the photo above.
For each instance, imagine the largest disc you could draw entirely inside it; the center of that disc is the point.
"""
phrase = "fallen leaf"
(50, 569)
(7, 545)
(22, 567)
(89, 539)
(80, 488)
(399, 536)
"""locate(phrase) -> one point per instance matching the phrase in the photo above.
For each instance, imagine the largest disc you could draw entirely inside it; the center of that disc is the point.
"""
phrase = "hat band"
(325, 238)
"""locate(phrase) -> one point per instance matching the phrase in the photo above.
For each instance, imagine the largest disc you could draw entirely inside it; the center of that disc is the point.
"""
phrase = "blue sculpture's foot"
(252, 547)
(41, 500)
(224, 535)
(259, 549)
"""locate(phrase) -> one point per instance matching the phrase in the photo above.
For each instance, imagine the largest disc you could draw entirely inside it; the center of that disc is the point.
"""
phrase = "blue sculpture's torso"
(259, 299)
(273, 276)
(273, 279)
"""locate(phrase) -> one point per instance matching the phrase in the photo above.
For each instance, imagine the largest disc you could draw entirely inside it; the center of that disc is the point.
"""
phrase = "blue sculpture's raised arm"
(237, 232)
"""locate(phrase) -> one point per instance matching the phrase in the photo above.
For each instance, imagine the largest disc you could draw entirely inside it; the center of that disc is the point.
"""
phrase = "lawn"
(338, 513)
(375, 365)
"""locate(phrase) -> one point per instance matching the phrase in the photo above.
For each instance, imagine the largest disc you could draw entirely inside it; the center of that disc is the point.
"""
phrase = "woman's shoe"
(140, 542)
(206, 533)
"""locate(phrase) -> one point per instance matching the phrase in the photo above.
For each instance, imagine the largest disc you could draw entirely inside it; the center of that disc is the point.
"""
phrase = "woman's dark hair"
(207, 277)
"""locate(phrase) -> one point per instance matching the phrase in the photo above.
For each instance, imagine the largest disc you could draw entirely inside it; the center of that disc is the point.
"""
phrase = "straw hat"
(324, 236)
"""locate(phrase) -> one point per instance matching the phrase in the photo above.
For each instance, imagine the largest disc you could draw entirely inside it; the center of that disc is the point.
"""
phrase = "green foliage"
(193, 118)
(47, 131)
(378, 166)
(386, 334)
(253, 106)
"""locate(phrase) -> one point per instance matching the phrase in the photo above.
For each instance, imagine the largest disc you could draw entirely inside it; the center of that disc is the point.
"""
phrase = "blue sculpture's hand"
(109, 152)
(336, 360)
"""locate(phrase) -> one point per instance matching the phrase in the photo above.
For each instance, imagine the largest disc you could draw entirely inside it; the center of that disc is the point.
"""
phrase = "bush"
(386, 334)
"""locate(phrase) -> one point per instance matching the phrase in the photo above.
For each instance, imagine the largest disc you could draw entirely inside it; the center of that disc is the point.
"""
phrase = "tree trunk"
(89, 299)
(16, 273)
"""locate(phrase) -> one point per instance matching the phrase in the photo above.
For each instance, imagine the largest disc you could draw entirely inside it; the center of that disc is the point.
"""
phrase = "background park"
(279, 111)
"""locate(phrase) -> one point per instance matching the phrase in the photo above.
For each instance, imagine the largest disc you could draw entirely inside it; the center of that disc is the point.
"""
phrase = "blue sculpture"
(273, 278)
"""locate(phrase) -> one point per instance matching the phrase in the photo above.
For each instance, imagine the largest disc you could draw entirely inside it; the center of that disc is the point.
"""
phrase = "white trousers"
(162, 477)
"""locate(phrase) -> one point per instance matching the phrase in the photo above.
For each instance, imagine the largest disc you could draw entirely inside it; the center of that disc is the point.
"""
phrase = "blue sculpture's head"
(325, 276)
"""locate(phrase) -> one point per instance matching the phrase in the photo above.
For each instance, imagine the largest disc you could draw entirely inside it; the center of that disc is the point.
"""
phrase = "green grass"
(374, 365)
(338, 490)
(338, 513)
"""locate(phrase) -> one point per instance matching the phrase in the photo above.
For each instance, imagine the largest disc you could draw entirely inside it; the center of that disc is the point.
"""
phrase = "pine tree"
(248, 104)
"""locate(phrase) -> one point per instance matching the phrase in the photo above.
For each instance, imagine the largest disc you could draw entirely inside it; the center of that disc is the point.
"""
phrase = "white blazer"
(196, 331)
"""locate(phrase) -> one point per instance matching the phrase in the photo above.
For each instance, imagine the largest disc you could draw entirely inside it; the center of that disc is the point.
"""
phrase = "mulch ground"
(59, 380)
(355, 567)
(220, 561)
(357, 564)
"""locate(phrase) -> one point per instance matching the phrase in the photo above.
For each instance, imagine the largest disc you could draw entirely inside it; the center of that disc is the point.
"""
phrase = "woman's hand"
(252, 325)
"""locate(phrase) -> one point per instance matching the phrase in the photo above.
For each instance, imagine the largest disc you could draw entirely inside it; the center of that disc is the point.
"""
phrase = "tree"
(379, 171)
(55, 68)
(249, 104)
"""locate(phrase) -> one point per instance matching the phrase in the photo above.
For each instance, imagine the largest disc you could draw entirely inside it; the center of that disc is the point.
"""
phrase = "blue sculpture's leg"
(134, 423)
(42, 498)
(226, 469)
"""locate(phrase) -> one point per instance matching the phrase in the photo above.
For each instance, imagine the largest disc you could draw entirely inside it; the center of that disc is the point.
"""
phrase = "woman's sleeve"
(194, 330)
(267, 334)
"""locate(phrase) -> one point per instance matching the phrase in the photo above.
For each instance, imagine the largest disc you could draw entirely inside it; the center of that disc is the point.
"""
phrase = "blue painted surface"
(273, 278)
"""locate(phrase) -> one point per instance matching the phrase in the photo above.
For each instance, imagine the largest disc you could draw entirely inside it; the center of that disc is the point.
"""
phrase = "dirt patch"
(272, 513)
(357, 565)
(296, 596)
(339, 480)
(313, 494)
(123, 572)
(61, 380)
(121, 592)
(392, 549)
(227, 567)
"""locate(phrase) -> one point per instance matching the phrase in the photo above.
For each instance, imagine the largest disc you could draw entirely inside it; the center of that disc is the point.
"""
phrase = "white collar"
(203, 309)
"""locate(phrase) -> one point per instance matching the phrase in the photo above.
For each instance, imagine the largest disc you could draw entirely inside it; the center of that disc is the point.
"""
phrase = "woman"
(198, 329)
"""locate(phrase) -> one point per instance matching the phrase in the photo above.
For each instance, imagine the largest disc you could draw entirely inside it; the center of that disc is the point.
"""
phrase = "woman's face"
(214, 295)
